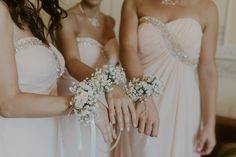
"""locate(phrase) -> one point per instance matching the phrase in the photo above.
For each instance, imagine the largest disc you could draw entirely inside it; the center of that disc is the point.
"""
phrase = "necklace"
(169, 2)
(91, 20)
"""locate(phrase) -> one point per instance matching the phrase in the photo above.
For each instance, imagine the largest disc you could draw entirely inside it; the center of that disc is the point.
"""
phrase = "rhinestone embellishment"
(89, 42)
(28, 42)
(175, 49)
(92, 42)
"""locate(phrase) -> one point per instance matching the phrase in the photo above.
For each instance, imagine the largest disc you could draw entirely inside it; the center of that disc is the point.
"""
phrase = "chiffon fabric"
(37, 73)
(93, 54)
(171, 52)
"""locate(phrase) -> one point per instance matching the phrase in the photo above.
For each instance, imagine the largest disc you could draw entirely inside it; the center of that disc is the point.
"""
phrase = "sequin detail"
(175, 49)
(87, 41)
(28, 42)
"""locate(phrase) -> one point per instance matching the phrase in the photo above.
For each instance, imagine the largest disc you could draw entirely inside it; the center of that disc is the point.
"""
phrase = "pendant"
(94, 22)
(168, 2)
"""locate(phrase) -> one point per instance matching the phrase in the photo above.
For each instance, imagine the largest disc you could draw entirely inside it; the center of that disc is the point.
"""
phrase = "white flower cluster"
(84, 102)
(107, 76)
(141, 89)
(86, 93)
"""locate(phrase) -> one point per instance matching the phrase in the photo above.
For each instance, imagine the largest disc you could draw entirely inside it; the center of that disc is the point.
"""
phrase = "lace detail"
(175, 49)
(28, 42)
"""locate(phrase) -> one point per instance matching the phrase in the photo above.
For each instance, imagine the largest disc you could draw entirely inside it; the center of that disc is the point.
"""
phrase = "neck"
(91, 10)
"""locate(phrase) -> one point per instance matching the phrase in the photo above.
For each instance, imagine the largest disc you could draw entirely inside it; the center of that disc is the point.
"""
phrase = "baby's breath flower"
(140, 89)
(87, 92)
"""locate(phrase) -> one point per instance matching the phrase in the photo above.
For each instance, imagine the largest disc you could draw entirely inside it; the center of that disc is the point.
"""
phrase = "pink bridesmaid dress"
(171, 52)
(92, 53)
(37, 67)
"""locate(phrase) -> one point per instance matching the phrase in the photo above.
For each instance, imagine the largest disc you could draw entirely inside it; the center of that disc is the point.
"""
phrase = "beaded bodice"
(38, 65)
(91, 52)
(180, 38)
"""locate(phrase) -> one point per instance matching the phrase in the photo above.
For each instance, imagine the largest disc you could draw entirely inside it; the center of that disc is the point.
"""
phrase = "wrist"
(209, 124)
(68, 106)
(139, 90)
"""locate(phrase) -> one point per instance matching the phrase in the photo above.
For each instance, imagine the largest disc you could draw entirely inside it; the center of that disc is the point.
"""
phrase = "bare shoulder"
(209, 10)
(4, 12)
(5, 17)
(70, 21)
(132, 3)
(209, 6)
(110, 20)
(2, 5)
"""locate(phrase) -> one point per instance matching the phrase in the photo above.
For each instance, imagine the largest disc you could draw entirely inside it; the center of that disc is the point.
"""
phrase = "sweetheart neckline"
(174, 21)
(95, 40)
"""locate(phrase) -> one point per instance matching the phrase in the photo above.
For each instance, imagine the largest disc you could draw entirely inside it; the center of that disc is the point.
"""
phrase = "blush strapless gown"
(169, 51)
(92, 53)
(37, 73)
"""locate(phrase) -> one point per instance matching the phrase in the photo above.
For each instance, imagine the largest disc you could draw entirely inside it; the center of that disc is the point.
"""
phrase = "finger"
(141, 126)
(133, 114)
(111, 110)
(155, 129)
(109, 132)
(148, 129)
(139, 109)
(104, 134)
(119, 116)
(126, 116)
(114, 133)
(212, 146)
(200, 145)
(209, 146)
(207, 150)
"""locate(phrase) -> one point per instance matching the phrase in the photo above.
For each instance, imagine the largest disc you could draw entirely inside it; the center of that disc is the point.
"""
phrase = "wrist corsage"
(140, 89)
(107, 76)
(84, 102)
(86, 93)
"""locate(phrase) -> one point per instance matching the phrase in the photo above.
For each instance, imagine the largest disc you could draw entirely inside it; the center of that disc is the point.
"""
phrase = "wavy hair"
(25, 13)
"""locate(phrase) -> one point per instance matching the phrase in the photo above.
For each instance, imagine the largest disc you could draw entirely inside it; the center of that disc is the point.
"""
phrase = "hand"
(148, 118)
(205, 141)
(121, 107)
(103, 124)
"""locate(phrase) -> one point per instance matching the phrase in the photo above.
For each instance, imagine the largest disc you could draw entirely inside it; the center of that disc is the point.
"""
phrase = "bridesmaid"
(176, 41)
(29, 67)
(87, 41)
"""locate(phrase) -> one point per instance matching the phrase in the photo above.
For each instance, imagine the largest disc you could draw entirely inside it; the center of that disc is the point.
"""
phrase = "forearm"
(131, 63)
(34, 105)
(208, 90)
(79, 70)
(113, 53)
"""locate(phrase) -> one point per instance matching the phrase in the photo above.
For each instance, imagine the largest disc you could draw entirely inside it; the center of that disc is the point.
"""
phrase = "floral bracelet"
(107, 76)
(140, 89)
(84, 101)
(86, 93)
